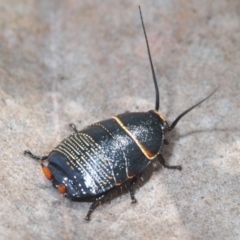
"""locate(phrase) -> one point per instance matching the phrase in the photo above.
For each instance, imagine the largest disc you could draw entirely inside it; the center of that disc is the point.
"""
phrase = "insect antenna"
(150, 59)
(188, 110)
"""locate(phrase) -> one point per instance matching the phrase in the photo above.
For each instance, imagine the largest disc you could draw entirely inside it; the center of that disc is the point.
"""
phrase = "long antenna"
(150, 59)
(188, 110)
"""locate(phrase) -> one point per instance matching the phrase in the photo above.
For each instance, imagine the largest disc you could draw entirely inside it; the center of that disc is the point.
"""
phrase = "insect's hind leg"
(94, 205)
(27, 152)
(162, 161)
(108, 196)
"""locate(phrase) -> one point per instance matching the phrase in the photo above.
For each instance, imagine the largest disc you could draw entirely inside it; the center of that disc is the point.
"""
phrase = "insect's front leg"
(162, 161)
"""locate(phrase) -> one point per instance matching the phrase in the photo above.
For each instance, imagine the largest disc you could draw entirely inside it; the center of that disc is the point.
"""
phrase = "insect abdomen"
(85, 164)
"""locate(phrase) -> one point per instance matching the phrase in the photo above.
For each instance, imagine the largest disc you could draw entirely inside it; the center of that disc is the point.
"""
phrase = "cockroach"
(92, 162)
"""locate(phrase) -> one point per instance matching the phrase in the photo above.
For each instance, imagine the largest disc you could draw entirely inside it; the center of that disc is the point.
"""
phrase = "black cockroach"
(92, 162)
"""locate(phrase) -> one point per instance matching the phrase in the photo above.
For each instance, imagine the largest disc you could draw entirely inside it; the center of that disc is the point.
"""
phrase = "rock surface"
(85, 61)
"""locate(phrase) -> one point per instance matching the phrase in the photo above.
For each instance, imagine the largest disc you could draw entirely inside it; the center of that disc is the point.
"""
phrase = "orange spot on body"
(47, 172)
(61, 189)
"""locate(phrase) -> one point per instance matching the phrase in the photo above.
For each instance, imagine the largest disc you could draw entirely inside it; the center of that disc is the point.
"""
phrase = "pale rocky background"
(64, 61)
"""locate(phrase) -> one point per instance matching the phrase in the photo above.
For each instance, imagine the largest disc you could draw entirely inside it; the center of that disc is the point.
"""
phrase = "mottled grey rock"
(84, 61)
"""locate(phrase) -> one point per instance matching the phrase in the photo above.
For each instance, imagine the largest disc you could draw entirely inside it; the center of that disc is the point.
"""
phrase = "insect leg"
(27, 152)
(73, 127)
(93, 206)
(131, 190)
(162, 161)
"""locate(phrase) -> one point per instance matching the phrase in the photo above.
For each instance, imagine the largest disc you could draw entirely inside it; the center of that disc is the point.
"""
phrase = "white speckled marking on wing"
(87, 157)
